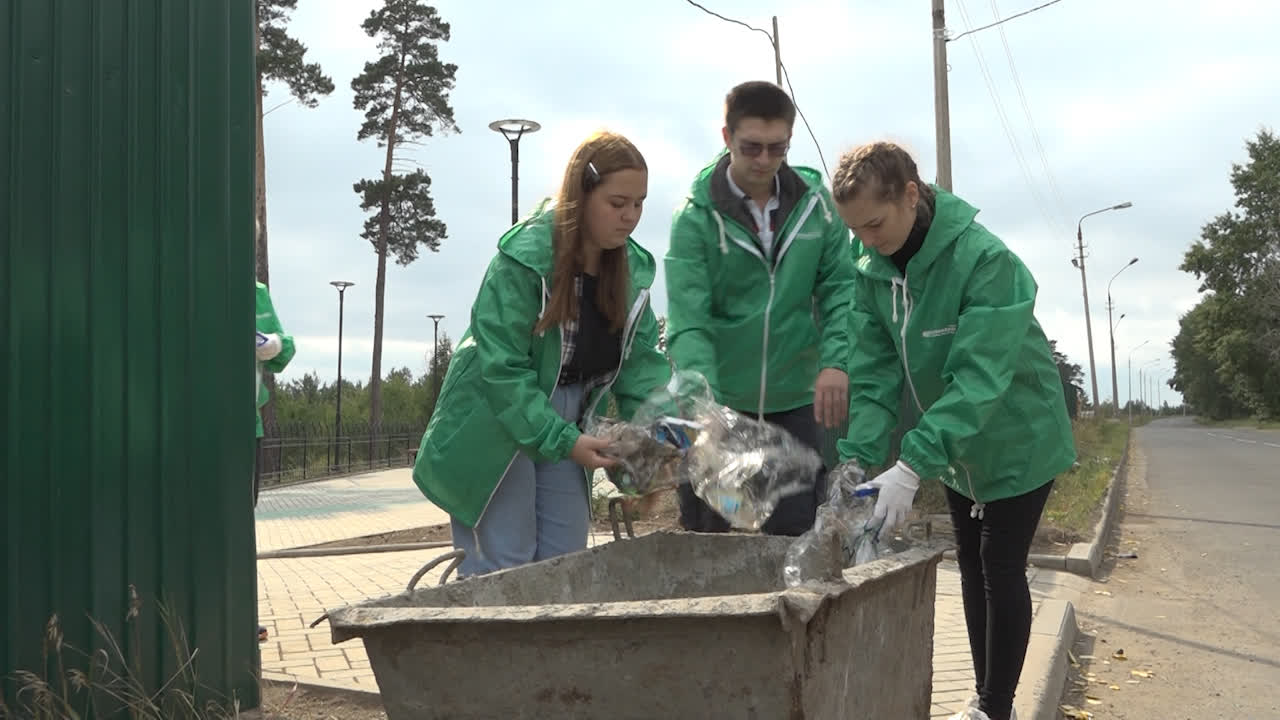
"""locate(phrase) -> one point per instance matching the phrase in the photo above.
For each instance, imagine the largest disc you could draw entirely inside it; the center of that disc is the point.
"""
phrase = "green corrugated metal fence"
(126, 302)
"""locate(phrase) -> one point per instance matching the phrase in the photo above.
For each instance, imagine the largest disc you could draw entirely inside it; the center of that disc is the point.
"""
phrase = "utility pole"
(777, 52)
(1078, 261)
(942, 108)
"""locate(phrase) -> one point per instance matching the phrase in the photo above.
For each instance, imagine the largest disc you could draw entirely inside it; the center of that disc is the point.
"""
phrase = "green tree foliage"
(408, 401)
(282, 58)
(1227, 351)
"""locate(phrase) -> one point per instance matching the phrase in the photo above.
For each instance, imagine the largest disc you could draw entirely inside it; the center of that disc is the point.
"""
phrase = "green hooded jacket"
(267, 323)
(495, 399)
(989, 415)
(759, 331)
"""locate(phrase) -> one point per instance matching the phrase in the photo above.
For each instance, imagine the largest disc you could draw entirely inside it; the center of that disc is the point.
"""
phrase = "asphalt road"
(1199, 607)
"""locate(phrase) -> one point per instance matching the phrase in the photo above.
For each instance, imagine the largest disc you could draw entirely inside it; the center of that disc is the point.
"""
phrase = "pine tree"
(404, 96)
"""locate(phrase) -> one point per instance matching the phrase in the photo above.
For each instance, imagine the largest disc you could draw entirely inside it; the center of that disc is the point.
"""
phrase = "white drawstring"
(906, 303)
(826, 211)
(543, 311)
(724, 245)
(979, 507)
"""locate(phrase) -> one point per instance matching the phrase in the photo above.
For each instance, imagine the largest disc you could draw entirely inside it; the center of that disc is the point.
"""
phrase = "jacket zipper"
(628, 337)
(768, 308)
(516, 454)
(978, 506)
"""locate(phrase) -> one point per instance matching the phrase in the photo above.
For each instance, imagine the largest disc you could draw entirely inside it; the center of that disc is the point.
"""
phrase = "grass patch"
(107, 681)
(1077, 495)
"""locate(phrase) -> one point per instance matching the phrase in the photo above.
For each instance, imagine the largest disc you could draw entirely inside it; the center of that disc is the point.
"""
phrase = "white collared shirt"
(764, 225)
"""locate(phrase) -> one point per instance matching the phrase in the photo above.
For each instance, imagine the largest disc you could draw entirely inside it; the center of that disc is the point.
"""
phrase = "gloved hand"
(268, 346)
(897, 489)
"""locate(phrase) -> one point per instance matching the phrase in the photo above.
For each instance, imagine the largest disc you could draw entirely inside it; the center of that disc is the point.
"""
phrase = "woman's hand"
(588, 452)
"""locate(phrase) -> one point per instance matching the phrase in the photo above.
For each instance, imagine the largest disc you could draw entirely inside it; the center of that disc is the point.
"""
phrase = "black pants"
(992, 554)
(794, 513)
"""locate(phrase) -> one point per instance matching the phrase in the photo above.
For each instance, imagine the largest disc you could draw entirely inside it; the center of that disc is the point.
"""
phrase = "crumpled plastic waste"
(842, 535)
(648, 455)
(741, 467)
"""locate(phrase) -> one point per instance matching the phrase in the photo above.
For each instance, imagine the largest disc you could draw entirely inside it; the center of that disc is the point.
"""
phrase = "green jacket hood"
(529, 243)
(951, 217)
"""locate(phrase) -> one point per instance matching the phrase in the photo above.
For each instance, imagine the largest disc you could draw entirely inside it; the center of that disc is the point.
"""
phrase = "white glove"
(268, 346)
(897, 489)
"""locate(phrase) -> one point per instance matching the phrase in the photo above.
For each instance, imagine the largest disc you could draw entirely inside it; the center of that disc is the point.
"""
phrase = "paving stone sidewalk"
(293, 592)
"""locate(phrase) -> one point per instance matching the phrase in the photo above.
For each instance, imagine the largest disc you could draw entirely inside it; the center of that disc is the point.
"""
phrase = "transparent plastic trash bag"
(742, 467)
(739, 466)
(842, 535)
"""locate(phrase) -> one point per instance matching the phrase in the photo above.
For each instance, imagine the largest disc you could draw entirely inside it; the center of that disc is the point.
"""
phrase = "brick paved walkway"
(294, 592)
(312, 513)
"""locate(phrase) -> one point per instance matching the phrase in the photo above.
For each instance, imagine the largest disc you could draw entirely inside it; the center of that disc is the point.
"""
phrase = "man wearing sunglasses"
(759, 274)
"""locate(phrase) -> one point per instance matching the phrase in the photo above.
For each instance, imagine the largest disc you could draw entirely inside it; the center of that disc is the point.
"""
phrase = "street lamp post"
(1144, 375)
(513, 129)
(342, 286)
(1115, 387)
(435, 352)
(1130, 383)
(1078, 261)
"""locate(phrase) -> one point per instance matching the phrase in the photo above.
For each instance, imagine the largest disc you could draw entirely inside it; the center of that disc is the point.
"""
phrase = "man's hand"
(831, 397)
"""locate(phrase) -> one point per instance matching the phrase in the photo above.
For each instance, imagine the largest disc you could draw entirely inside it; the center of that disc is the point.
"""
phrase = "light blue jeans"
(538, 511)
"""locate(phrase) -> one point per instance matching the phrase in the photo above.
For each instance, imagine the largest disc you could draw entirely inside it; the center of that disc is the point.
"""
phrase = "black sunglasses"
(753, 149)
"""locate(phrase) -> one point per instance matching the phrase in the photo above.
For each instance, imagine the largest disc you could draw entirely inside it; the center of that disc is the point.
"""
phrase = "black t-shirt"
(598, 348)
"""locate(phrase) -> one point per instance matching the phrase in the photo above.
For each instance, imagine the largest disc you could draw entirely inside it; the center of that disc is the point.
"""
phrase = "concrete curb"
(1086, 558)
(1053, 632)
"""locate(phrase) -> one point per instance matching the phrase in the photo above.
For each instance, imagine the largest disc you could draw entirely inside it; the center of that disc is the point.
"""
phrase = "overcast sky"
(1146, 101)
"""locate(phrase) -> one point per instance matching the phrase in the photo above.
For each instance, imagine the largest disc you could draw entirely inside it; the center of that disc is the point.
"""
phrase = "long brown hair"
(602, 153)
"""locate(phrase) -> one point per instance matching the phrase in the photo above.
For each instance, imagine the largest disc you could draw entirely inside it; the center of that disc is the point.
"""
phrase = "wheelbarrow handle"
(616, 510)
(456, 555)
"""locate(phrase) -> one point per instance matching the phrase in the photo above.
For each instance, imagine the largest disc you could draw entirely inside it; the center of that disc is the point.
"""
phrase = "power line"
(731, 20)
(1004, 122)
(1026, 109)
(786, 76)
(1001, 22)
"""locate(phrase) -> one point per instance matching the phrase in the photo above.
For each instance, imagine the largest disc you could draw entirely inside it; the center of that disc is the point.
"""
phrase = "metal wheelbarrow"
(668, 625)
